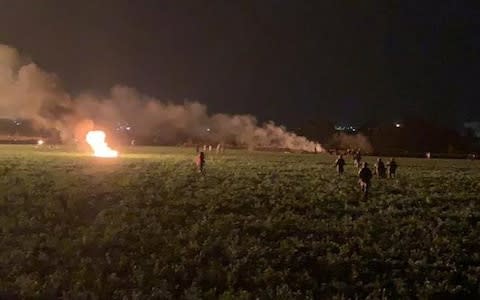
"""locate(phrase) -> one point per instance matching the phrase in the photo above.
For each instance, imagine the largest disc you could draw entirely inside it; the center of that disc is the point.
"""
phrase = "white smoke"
(28, 92)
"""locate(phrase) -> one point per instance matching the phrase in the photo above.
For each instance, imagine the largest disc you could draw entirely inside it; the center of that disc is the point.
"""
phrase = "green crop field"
(259, 225)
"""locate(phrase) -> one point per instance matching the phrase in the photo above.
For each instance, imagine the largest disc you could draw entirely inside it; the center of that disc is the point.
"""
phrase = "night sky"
(289, 61)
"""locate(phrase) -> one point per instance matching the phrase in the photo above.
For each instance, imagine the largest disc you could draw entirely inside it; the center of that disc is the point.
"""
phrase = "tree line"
(412, 136)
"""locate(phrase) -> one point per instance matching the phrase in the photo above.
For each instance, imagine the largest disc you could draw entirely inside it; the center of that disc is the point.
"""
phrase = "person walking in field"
(364, 178)
(380, 169)
(357, 158)
(392, 168)
(200, 161)
(339, 164)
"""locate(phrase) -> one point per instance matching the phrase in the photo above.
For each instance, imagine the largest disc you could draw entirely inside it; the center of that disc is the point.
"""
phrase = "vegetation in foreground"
(266, 225)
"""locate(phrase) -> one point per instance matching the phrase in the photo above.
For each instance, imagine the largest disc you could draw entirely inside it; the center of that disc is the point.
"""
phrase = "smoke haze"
(28, 92)
(354, 142)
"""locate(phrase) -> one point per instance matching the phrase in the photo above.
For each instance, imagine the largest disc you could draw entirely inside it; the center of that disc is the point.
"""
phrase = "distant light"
(398, 125)
(345, 128)
(40, 142)
(128, 128)
(208, 129)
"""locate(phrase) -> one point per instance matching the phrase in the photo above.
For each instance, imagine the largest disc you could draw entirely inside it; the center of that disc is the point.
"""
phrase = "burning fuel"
(28, 92)
(96, 140)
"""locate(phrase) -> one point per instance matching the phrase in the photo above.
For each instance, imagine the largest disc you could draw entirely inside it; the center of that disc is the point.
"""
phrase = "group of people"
(219, 149)
(365, 175)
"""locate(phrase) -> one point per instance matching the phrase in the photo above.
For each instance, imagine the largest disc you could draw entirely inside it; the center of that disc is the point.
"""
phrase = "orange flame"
(96, 140)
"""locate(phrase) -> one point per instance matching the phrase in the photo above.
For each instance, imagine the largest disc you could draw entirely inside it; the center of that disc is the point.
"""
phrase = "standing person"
(340, 163)
(201, 162)
(364, 178)
(380, 169)
(357, 158)
(197, 148)
(351, 153)
(392, 168)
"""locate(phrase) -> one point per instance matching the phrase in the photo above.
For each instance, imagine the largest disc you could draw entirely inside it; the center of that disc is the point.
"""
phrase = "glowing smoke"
(28, 92)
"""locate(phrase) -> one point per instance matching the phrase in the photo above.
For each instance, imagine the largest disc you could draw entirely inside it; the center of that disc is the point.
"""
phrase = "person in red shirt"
(200, 161)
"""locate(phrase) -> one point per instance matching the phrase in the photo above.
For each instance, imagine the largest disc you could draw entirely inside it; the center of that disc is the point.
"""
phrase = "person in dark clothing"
(201, 162)
(365, 176)
(392, 168)
(380, 169)
(340, 163)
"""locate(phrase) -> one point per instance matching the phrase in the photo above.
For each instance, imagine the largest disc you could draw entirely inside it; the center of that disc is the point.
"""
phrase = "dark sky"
(277, 59)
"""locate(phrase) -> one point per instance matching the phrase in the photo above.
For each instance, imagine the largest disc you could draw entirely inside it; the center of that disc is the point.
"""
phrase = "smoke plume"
(28, 92)
(354, 142)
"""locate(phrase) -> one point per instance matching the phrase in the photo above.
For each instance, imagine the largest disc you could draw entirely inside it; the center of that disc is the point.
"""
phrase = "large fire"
(96, 140)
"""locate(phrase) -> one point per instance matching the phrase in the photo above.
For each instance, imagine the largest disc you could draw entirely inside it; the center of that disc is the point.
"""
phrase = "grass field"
(258, 225)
